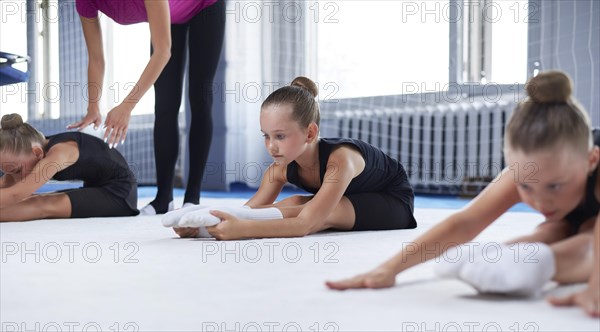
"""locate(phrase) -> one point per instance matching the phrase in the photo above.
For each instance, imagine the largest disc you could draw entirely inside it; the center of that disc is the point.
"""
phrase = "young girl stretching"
(553, 167)
(355, 185)
(28, 160)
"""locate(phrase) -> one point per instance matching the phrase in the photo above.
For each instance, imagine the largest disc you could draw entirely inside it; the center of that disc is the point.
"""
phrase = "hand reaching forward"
(116, 124)
(230, 227)
(92, 117)
(381, 277)
(587, 299)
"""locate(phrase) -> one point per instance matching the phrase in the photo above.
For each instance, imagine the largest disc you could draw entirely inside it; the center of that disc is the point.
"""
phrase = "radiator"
(452, 148)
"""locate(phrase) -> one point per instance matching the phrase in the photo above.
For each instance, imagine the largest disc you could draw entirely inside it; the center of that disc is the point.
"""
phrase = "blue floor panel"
(241, 191)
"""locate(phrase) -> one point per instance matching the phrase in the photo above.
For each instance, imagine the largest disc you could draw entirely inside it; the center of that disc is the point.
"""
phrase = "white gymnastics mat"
(131, 274)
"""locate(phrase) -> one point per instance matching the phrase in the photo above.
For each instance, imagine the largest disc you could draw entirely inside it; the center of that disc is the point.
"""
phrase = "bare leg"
(290, 201)
(573, 254)
(547, 232)
(186, 232)
(295, 200)
(53, 205)
(342, 217)
(574, 258)
(566, 261)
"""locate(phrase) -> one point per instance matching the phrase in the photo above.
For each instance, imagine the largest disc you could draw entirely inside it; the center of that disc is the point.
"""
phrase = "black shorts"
(91, 202)
(381, 211)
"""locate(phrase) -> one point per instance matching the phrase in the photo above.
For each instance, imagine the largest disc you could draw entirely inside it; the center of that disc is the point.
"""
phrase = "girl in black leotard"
(355, 185)
(553, 158)
(28, 160)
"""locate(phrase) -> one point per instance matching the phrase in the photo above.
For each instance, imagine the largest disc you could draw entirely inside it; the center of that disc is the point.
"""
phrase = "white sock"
(171, 219)
(260, 214)
(449, 264)
(149, 210)
(520, 269)
(188, 204)
(204, 218)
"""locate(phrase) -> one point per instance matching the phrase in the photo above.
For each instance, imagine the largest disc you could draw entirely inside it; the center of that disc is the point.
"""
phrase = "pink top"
(134, 11)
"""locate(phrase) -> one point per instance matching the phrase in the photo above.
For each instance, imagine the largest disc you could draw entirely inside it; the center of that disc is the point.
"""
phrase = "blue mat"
(242, 191)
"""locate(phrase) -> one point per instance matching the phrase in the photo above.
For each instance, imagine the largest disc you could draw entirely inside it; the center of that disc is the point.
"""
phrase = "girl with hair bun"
(28, 160)
(355, 186)
(553, 157)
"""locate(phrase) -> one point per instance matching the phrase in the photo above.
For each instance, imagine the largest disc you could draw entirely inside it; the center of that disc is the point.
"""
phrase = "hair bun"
(550, 87)
(11, 121)
(307, 84)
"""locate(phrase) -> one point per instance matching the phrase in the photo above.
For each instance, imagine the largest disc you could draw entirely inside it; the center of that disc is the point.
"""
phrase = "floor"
(131, 274)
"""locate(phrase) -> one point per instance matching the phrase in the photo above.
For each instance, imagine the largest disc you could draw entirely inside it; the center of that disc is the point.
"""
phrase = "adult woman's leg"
(205, 42)
(168, 89)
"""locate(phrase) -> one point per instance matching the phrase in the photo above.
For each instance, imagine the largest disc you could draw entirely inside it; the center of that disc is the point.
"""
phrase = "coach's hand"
(93, 116)
(116, 124)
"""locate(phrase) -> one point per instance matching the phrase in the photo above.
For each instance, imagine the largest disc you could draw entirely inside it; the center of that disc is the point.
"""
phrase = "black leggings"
(204, 37)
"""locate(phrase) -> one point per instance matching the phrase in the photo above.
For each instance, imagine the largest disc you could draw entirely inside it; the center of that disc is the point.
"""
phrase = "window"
(13, 39)
(125, 58)
(495, 41)
(48, 67)
(374, 48)
(45, 95)
(371, 48)
(509, 42)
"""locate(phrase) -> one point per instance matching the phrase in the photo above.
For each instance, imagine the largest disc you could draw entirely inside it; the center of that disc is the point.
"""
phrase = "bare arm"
(589, 298)
(93, 41)
(457, 229)
(159, 19)
(343, 166)
(59, 157)
(270, 186)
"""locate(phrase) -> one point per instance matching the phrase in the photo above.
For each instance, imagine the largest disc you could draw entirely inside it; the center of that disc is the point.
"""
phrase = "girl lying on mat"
(553, 166)
(28, 160)
(355, 185)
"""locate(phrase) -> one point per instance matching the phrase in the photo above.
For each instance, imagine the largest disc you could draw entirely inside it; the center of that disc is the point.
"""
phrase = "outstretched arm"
(159, 19)
(311, 219)
(59, 157)
(343, 165)
(93, 41)
(457, 229)
(589, 298)
(270, 186)
(272, 182)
